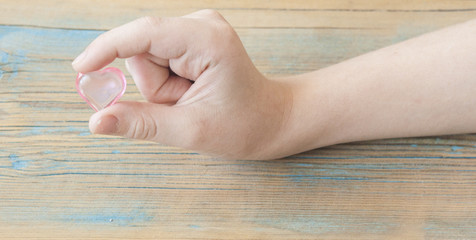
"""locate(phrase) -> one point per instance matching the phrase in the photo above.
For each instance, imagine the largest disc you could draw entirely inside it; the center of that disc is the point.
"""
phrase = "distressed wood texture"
(58, 181)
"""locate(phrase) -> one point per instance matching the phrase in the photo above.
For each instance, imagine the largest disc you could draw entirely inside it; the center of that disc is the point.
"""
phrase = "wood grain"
(57, 181)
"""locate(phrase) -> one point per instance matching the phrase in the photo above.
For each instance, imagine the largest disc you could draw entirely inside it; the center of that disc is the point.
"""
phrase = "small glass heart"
(101, 89)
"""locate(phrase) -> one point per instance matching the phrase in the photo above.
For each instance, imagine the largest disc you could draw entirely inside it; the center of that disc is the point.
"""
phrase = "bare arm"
(420, 87)
(424, 86)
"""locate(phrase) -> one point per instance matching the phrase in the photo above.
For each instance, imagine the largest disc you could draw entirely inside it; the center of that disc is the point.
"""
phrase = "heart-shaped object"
(101, 89)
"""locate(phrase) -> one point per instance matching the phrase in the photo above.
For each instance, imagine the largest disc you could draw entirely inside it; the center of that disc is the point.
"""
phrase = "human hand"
(203, 92)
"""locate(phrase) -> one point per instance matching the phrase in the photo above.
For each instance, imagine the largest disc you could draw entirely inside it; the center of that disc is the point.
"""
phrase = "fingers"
(145, 121)
(163, 37)
(155, 82)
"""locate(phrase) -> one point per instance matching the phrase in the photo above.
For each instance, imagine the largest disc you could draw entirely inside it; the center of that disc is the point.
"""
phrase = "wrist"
(285, 100)
(315, 114)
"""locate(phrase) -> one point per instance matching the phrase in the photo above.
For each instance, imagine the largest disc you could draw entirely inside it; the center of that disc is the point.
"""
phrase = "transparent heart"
(101, 89)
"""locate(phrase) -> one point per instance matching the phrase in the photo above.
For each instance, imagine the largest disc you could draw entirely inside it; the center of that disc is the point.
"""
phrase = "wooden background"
(59, 181)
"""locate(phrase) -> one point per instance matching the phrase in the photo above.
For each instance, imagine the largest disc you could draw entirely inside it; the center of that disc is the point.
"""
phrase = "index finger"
(163, 37)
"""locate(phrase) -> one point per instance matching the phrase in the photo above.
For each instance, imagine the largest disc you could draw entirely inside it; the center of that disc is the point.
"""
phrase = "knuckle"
(212, 13)
(136, 131)
(222, 30)
(150, 21)
(225, 36)
(144, 128)
(224, 27)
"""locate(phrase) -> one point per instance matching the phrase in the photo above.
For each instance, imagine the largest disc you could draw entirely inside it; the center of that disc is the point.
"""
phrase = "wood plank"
(243, 14)
(57, 181)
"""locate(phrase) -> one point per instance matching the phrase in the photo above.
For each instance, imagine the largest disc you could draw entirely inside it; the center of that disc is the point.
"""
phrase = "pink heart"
(101, 89)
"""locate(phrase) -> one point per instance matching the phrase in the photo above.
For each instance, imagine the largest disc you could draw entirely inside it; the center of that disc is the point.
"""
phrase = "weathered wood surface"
(59, 181)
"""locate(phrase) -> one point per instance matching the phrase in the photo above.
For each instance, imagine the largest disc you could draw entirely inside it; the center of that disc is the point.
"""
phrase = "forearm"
(424, 86)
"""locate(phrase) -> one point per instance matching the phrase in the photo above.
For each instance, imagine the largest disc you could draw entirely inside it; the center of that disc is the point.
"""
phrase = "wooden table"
(58, 181)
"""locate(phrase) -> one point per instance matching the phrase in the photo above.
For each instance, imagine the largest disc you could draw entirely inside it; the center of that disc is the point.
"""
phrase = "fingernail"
(80, 58)
(106, 125)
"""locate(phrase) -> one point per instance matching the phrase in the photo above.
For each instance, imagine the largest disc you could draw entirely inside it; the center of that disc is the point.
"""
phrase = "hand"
(203, 92)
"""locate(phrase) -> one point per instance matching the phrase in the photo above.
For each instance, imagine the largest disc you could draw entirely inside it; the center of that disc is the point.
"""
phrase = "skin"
(424, 86)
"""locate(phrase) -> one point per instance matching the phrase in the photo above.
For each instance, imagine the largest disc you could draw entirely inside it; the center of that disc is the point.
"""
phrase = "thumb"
(140, 120)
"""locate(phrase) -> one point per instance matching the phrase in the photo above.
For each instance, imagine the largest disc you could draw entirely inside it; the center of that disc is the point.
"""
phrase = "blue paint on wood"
(179, 188)
(323, 224)
(304, 164)
(414, 145)
(336, 168)
(46, 33)
(3, 61)
(84, 134)
(116, 151)
(36, 130)
(108, 174)
(43, 108)
(16, 42)
(19, 59)
(11, 63)
(42, 130)
(3, 57)
(456, 148)
(312, 178)
(194, 226)
(110, 217)
(65, 40)
(439, 227)
(17, 163)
